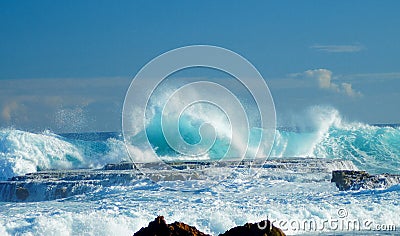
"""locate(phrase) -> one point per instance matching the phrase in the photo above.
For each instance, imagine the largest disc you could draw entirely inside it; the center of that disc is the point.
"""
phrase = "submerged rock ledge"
(47, 185)
(356, 180)
(159, 227)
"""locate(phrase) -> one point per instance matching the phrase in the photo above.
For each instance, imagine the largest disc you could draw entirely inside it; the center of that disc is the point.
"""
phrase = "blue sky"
(62, 60)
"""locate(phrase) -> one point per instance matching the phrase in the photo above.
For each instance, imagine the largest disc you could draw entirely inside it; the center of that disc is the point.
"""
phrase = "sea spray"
(323, 133)
(23, 152)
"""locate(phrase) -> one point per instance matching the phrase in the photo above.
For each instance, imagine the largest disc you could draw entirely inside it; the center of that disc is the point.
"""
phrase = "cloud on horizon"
(323, 78)
(338, 48)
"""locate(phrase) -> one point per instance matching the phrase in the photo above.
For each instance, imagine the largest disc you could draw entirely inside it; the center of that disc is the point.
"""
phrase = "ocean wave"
(325, 134)
(23, 152)
(320, 133)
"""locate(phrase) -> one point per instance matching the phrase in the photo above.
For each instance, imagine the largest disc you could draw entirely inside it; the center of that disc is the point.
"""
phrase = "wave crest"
(23, 152)
(323, 133)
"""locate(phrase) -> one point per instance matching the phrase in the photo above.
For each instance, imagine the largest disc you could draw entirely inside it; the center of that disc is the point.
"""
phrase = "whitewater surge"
(23, 152)
(276, 194)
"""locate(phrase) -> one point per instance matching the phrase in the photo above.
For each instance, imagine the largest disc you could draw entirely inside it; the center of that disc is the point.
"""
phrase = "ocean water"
(292, 189)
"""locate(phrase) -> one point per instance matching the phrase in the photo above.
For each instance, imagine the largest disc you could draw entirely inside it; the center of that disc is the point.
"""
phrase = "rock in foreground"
(159, 227)
(263, 228)
(355, 180)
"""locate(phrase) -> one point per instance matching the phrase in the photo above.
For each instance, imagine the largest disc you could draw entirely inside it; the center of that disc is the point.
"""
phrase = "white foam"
(124, 210)
(93, 223)
(23, 152)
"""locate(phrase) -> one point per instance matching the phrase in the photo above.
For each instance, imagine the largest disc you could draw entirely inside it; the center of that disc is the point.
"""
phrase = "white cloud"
(347, 88)
(339, 48)
(323, 78)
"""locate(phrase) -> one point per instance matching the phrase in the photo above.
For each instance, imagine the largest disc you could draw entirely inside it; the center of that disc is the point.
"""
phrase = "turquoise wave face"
(376, 149)
(213, 144)
(189, 130)
(321, 133)
(373, 148)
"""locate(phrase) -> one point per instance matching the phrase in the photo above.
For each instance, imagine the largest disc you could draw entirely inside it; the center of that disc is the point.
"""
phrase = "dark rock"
(179, 228)
(355, 180)
(22, 193)
(61, 193)
(263, 228)
(120, 166)
(159, 227)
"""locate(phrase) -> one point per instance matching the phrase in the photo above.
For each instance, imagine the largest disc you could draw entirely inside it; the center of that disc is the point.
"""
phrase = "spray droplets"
(200, 120)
